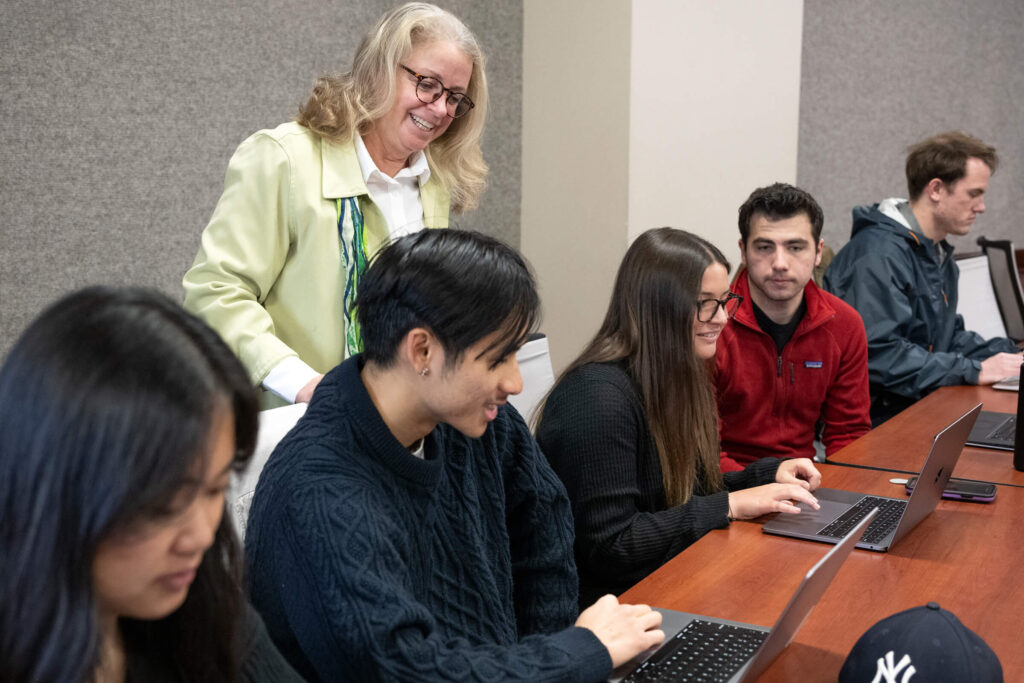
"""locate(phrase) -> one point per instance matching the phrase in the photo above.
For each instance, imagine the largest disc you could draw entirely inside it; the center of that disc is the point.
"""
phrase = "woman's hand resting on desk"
(626, 630)
(761, 500)
(799, 471)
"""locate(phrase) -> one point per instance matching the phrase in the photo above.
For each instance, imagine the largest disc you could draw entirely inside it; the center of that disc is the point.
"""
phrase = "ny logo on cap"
(887, 673)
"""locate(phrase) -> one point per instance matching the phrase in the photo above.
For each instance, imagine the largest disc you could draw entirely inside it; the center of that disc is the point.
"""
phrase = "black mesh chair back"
(1002, 267)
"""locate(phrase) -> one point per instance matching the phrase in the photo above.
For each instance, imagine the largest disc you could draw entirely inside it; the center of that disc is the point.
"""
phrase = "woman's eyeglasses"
(430, 89)
(707, 309)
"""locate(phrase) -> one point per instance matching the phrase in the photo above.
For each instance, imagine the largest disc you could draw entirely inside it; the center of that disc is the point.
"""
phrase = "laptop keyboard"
(889, 512)
(703, 651)
(1005, 431)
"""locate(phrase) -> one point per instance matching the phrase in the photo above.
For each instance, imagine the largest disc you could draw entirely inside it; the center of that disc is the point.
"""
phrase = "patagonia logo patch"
(812, 363)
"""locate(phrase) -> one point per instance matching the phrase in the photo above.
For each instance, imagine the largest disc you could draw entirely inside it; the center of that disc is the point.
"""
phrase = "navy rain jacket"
(907, 299)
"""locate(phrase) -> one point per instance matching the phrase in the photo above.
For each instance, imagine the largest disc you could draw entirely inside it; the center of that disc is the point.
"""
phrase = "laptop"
(996, 430)
(1008, 384)
(840, 510)
(709, 649)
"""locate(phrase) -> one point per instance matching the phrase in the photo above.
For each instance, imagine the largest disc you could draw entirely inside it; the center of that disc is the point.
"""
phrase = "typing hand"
(626, 630)
(999, 366)
(799, 471)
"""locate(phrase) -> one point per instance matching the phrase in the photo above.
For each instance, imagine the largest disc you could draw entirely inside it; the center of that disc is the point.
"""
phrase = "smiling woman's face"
(714, 285)
(144, 571)
(410, 125)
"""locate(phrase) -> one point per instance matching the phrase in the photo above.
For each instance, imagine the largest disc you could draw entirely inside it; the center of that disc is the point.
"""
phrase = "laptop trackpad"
(809, 520)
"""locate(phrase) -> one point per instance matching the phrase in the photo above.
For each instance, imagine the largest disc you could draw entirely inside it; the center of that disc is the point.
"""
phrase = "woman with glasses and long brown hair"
(631, 425)
(382, 150)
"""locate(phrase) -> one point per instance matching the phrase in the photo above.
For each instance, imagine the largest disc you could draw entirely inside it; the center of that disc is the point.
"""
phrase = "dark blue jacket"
(907, 299)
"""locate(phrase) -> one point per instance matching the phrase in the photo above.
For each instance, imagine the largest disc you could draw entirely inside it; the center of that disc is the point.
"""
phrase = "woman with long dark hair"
(631, 425)
(121, 420)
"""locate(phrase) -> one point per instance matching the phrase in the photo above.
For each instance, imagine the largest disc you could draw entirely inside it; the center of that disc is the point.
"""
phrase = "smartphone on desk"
(963, 489)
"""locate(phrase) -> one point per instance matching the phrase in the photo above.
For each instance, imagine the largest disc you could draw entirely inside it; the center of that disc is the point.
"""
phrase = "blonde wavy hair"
(345, 105)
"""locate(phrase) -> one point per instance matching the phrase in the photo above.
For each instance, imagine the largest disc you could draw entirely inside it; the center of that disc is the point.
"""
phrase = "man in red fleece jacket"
(792, 363)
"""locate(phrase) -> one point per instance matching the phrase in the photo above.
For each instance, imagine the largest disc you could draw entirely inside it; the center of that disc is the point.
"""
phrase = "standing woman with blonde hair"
(380, 151)
(631, 425)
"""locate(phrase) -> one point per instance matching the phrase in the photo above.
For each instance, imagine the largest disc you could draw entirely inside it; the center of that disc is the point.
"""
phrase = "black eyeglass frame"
(460, 97)
(725, 304)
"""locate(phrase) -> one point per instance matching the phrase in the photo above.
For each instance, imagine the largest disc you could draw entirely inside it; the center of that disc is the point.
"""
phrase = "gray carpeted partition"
(117, 119)
(879, 76)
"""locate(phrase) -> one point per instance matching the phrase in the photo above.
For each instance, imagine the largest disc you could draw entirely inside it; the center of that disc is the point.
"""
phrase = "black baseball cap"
(930, 641)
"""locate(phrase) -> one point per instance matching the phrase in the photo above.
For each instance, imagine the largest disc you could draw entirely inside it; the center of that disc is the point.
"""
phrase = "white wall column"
(575, 160)
(714, 111)
(642, 114)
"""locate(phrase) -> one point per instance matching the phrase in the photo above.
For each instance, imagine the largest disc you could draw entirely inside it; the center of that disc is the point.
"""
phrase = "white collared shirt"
(397, 198)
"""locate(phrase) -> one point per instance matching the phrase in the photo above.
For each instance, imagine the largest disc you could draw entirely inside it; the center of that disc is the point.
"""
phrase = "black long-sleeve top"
(595, 434)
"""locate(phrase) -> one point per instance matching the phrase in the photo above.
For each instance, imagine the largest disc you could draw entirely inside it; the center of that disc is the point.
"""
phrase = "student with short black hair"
(630, 426)
(408, 528)
(121, 420)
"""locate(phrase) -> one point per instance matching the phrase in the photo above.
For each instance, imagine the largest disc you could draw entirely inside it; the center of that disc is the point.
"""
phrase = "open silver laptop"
(709, 649)
(997, 430)
(840, 510)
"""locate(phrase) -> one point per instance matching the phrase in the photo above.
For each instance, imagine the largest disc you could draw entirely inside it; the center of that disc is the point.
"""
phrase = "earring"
(424, 372)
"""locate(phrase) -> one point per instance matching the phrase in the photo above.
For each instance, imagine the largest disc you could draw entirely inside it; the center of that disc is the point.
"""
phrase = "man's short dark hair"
(779, 201)
(944, 156)
(460, 285)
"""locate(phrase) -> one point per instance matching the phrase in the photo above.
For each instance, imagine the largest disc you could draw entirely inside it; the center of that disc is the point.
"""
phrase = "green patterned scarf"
(353, 258)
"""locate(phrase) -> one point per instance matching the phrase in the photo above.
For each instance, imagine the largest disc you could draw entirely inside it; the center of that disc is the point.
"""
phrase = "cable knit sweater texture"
(594, 432)
(368, 563)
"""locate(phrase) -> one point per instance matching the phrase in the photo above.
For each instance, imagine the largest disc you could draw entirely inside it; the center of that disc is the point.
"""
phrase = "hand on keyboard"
(626, 630)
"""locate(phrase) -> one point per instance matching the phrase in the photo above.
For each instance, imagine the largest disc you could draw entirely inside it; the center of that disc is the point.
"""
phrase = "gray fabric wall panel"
(117, 120)
(879, 76)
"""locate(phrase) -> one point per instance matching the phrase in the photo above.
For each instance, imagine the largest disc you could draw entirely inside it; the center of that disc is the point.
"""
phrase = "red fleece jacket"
(769, 403)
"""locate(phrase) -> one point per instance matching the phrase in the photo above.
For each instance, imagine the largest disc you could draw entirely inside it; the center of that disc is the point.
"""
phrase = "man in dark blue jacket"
(899, 273)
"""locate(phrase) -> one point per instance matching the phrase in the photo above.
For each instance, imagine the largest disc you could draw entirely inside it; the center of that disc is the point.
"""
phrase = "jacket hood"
(883, 217)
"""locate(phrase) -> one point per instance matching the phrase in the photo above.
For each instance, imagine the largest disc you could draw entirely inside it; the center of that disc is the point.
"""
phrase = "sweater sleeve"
(757, 473)
(597, 440)
(348, 602)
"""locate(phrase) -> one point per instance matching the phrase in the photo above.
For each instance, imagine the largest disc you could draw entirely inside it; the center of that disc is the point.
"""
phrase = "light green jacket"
(269, 276)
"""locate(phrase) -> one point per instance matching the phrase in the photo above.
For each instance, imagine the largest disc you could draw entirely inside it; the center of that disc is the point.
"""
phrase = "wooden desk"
(965, 556)
(902, 443)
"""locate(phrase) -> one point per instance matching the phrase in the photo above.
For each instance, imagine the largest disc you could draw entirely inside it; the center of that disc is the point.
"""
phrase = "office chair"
(274, 424)
(1002, 268)
(538, 377)
(977, 303)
